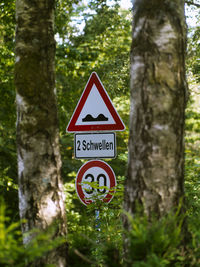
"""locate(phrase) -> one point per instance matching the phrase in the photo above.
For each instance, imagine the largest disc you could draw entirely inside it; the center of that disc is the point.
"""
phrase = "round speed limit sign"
(95, 179)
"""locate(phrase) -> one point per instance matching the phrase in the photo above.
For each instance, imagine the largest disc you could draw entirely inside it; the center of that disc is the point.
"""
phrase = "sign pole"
(97, 220)
(97, 227)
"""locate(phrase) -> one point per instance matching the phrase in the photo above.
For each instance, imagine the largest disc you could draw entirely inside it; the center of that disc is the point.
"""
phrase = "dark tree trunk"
(158, 97)
(41, 196)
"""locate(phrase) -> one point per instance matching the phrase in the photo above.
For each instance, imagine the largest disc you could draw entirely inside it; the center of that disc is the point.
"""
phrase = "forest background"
(95, 36)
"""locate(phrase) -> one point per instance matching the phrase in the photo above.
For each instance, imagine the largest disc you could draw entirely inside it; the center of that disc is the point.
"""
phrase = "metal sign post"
(97, 220)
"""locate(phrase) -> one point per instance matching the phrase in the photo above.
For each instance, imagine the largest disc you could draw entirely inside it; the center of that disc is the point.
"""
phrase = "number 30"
(101, 175)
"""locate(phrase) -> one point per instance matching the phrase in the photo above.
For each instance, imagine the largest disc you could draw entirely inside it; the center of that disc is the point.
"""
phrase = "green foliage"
(12, 250)
(97, 246)
(192, 154)
(155, 243)
(63, 17)
(192, 173)
(88, 245)
(193, 58)
(10, 238)
(8, 158)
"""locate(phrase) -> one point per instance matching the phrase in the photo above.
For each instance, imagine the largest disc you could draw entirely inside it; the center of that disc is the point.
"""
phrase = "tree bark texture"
(41, 195)
(155, 174)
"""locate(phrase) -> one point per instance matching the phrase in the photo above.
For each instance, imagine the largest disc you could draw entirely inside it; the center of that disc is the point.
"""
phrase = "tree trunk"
(41, 196)
(158, 97)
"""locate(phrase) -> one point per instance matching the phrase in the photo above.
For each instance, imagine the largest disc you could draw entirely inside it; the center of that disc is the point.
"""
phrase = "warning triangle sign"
(95, 111)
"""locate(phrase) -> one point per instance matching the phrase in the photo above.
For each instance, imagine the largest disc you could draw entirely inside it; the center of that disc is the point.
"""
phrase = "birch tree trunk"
(158, 97)
(41, 197)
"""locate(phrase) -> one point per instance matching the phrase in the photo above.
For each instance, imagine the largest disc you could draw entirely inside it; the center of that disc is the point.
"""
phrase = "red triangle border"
(118, 126)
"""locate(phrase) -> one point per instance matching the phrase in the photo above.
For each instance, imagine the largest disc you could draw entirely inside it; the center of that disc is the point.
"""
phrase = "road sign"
(95, 111)
(95, 179)
(95, 145)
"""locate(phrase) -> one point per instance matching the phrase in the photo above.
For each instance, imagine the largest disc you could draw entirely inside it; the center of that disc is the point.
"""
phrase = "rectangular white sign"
(95, 145)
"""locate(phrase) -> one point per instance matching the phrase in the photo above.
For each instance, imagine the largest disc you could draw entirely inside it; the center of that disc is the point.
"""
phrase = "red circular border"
(84, 168)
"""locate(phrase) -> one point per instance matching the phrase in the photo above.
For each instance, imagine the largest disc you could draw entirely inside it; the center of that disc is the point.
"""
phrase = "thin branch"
(78, 253)
(192, 3)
